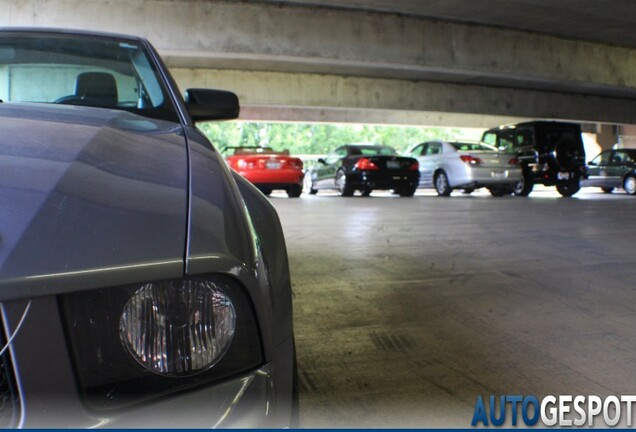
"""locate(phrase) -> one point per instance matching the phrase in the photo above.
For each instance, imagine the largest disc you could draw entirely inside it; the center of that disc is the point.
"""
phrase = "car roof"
(64, 31)
(533, 123)
(367, 145)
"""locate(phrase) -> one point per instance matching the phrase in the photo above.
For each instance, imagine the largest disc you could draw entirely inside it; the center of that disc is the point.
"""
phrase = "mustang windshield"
(79, 70)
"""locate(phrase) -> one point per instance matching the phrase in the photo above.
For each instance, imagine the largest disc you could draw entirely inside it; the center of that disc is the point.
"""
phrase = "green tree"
(319, 138)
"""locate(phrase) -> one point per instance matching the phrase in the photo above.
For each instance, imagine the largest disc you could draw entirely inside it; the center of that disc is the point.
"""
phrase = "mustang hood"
(88, 196)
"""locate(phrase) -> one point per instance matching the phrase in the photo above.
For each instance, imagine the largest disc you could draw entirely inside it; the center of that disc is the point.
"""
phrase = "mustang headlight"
(178, 330)
(138, 342)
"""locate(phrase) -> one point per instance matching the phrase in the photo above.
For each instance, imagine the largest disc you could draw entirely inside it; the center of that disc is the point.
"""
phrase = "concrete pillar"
(627, 136)
(606, 135)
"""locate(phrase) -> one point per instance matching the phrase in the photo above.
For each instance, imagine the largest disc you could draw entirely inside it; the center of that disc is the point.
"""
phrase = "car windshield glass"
(473, 147)
(371, 150)
(81, 70)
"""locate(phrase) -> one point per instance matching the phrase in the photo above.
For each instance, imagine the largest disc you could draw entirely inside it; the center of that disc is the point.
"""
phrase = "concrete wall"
(284, 58)
(330, 96)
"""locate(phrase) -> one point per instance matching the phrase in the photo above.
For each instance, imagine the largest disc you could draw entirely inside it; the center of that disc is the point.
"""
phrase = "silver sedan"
(466, 165)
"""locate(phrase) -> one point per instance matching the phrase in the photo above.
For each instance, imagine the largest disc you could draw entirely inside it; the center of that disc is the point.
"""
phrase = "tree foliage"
(319, 138)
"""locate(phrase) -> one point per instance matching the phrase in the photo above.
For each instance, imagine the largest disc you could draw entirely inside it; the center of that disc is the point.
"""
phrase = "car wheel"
(498, 191)
(629, 184)
(366, 191)
(308, 185)
(524, 186)
(295, 401)
(342, 186)
(607, 189)
(408, 191)
(441, 184)
(294, 191)
(568, 189)
(468, 191)
(266, 191)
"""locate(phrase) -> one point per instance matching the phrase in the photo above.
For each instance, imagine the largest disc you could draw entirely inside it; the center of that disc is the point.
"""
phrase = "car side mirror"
(209, 104)
(322, 161)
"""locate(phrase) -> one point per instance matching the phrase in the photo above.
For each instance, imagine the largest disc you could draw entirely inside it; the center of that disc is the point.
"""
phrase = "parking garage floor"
(407, 309)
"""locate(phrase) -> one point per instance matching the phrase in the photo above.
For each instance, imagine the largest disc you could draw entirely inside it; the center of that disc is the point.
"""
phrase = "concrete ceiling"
(610, 22)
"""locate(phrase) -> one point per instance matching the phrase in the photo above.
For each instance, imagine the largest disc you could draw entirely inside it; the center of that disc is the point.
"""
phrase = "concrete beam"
(318, 60)
(272, 95)
(257, 36)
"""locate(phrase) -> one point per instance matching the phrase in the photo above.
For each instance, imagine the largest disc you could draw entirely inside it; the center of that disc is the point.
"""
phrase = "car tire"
(294, 191)
(408, 191)
(468, 191)
(524, 186)
(308, 185)
(342, 186)
(499, 191)
(295, 396)
(607, 189)
(441, 184)
(366, 192)
(266, 191)
(569, 188)
(629, 184)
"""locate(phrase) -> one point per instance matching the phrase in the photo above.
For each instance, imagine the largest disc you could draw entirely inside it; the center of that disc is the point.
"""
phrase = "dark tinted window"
(473, 147)
(566, 137)
(371, 150)
(507, 140)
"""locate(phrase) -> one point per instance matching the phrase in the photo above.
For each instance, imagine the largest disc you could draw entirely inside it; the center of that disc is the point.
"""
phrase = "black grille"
(9, 400)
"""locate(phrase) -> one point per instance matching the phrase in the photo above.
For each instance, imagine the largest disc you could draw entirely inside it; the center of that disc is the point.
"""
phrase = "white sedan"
(466, 165)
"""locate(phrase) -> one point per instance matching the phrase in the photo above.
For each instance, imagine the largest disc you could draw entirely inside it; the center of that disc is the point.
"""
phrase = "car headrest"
(99, 86)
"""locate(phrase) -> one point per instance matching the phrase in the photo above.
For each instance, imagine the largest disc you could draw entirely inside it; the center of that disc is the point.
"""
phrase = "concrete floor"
(407, 309)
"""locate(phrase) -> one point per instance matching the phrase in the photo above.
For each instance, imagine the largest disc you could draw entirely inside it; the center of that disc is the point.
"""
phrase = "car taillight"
(244, 164)
(514, 161)
(295, 163)
(472, 160)
(366, 164)
(415, 166)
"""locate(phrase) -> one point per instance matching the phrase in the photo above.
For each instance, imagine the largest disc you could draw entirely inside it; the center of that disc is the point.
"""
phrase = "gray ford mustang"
(142, 283)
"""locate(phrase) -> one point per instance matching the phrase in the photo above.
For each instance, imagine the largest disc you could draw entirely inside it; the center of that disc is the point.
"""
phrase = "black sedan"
(612, 169)
(142, 283)
(364, 167)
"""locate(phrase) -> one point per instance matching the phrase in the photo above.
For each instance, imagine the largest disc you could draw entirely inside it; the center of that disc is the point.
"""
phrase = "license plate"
(498, 174)
(272, 165)
(393, 164)
(563, 176)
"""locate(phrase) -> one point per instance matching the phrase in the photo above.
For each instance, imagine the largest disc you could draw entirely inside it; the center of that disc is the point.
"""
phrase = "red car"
(268, 169)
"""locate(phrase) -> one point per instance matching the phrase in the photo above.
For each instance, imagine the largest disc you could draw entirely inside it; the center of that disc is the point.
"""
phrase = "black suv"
(551, 153)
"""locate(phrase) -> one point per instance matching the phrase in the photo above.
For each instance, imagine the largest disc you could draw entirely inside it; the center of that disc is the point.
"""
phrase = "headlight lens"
(138, 342)
(178, 330)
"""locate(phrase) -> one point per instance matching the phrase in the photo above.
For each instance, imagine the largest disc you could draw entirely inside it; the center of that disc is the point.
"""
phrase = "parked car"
(612, 169)
(551, 154)
(467, 166)
(364, 167)
(267, 169)
(142, 283)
